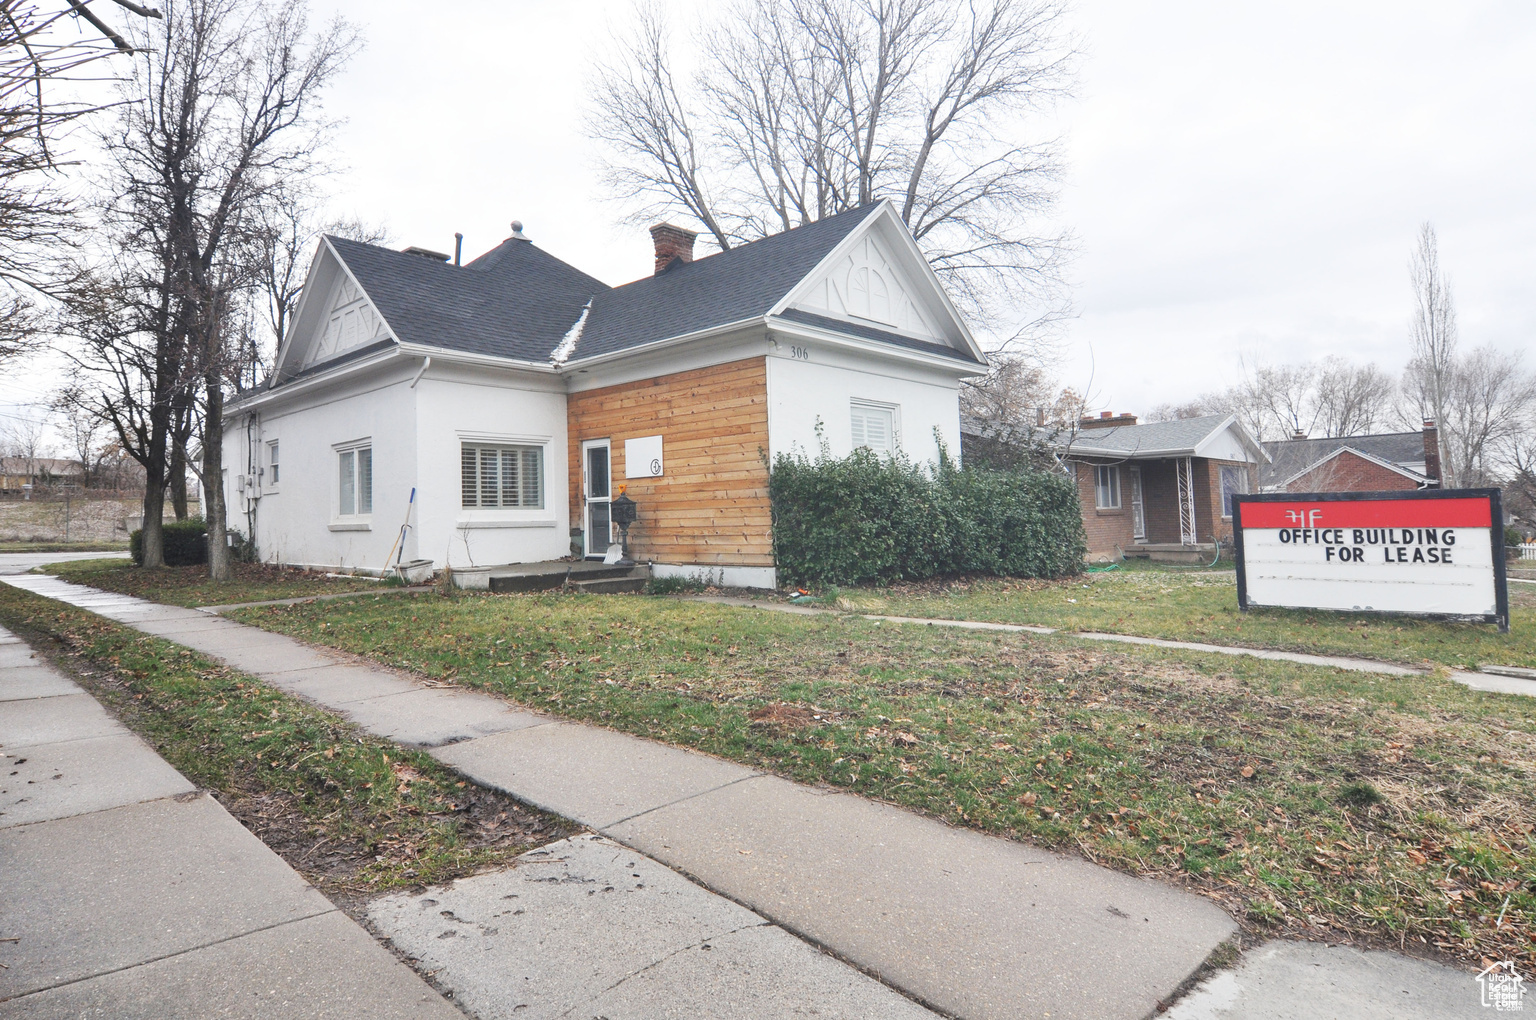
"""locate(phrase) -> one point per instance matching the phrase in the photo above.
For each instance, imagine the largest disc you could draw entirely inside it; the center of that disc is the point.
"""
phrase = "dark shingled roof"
(741, 283)
(1180, 437)
(1289, 457)
(515, 301)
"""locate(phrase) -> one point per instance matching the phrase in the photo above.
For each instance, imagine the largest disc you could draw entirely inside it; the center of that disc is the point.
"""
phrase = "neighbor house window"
(874, 426)
(503, 476)
(356, 481)
(272, 475)
(1106, 487)
(1234, 480)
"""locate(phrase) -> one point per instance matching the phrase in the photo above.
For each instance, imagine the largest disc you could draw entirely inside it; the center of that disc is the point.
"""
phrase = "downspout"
(426, 363)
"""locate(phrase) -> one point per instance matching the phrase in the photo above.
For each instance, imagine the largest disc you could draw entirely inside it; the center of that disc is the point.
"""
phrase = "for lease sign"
(1427, 552)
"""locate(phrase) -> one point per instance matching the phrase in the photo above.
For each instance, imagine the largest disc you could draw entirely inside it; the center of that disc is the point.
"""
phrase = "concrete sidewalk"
(126, 893)
(975, 926)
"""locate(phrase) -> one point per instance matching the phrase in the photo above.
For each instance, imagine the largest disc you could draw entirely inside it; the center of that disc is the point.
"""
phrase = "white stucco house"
(515, 395)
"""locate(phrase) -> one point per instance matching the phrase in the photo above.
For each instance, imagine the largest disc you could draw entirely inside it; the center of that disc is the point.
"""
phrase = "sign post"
(1428, 552)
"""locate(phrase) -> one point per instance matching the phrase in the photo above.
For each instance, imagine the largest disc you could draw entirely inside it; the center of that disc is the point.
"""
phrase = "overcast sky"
(1244, 179)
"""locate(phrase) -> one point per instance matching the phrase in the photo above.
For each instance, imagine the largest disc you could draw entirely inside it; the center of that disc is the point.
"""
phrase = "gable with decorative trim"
(351, 322)
(866, 284)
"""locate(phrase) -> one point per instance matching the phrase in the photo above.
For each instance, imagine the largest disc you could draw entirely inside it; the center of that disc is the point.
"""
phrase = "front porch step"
(549, 576)
(635, 581)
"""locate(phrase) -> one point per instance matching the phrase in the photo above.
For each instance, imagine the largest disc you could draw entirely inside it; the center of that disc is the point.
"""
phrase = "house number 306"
(799, 353)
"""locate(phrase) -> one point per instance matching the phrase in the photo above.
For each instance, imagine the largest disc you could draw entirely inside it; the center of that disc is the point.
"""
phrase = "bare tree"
(1350, 399)
(38, 52)
(290, 223)
(1433, 338)
(1489, 399)
(814, 107)
(222, 108)
(81, 426)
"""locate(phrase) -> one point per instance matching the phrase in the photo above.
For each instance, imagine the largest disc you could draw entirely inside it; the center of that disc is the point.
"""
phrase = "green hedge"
(870, 518)
(186, 543)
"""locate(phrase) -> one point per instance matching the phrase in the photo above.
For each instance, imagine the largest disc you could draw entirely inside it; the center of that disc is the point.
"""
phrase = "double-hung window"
(1234, 480)
(1106, 487)
(502, 476)
(874, 426)
(272, 464)
(356, 482)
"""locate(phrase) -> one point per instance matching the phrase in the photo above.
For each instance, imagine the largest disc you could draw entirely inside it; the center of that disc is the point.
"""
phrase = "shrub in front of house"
(865, 517)
(186, 543)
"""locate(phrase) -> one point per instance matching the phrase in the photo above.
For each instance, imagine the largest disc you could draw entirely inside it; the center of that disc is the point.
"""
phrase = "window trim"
(1114, 476)
(272, 479)
(856, 404)
(358, 518)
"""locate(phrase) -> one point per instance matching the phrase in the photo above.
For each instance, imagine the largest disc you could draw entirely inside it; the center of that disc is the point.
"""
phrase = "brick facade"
(1110, 533)
(1350, 472)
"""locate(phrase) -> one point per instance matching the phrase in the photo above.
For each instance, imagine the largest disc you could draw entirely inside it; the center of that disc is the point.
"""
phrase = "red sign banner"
(1370, 513)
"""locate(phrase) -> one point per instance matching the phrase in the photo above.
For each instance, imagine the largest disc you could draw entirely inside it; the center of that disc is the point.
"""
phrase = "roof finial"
(517, 231)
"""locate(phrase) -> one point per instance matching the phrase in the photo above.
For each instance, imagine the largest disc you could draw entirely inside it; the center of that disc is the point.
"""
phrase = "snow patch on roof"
(571, 339)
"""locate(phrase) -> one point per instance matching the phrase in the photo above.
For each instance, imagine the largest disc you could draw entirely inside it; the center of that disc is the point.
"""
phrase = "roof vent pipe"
(458, 246)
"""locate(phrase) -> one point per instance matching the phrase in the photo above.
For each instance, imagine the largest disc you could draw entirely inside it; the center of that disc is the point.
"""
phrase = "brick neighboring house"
(1161, 490)
(1381, 463)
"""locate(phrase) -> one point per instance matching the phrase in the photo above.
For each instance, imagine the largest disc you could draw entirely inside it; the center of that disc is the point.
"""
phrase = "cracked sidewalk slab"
(587, 927)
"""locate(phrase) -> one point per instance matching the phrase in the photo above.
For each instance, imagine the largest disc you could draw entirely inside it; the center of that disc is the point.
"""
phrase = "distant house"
(1162, 490)
(490, 413)
(1380, 463)
(30, 474)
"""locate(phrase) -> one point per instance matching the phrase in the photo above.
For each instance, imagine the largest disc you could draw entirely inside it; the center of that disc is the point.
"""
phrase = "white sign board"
(1426, 552)
(642, 457)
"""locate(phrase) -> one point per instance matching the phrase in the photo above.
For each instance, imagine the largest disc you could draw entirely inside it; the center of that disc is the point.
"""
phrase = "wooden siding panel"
(711, 505)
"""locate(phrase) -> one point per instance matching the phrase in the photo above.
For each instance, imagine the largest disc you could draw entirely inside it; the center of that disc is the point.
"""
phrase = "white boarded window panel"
(642, 457)
(873, 427)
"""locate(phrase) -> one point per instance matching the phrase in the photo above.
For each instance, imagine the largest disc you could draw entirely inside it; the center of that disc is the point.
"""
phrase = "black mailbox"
(623, 512)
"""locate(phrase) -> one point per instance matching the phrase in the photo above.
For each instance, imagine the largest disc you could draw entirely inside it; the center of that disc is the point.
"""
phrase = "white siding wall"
(294, 519)
(489, 406)
(825, 385)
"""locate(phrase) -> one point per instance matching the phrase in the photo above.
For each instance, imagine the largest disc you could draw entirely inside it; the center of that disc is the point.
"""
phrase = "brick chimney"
(1431, 450)
(672, 243)
(1107, 419)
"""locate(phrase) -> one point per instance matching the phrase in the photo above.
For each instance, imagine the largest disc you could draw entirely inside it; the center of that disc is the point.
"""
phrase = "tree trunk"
(152, 539)
(219, 568)
(177, 482)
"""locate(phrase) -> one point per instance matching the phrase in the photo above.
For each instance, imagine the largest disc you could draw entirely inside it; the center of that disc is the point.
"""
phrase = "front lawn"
(1195, 605)
(189, 586)
(1322, 803)
(356, 815)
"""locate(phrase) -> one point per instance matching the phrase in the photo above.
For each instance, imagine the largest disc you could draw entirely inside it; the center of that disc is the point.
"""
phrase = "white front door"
(597, 495)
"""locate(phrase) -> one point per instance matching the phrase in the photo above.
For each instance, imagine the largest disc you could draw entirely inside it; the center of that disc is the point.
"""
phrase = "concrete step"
(633, 580)
(549, 576)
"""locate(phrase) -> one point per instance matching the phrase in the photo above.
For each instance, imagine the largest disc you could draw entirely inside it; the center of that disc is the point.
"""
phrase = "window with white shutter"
(501, 476)
(874, 426)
